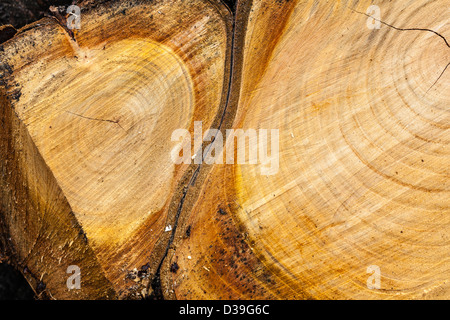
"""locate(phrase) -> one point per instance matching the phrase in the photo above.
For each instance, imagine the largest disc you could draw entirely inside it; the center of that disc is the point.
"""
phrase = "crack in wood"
(403, 29)
(97, 119)
(156, 281)
(411, 29)
(440, 76)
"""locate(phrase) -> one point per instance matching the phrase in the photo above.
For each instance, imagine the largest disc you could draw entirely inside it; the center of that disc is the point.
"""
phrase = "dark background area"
(19, 13)
(13, 285)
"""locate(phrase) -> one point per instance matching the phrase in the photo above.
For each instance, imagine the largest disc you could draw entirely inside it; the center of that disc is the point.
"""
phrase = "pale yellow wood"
(364, 161)
(100, 106)
(362, 182)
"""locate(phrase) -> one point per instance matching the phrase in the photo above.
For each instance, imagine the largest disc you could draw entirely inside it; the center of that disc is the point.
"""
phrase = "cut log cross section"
(357, 91)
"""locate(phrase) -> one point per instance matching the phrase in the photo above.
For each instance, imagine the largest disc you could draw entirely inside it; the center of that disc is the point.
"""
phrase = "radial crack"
(96, 119)
(440, 76)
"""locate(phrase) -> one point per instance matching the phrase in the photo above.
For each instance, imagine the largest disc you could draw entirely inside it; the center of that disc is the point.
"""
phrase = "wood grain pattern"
(363, 124)
(363, 176)
(101, 107)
